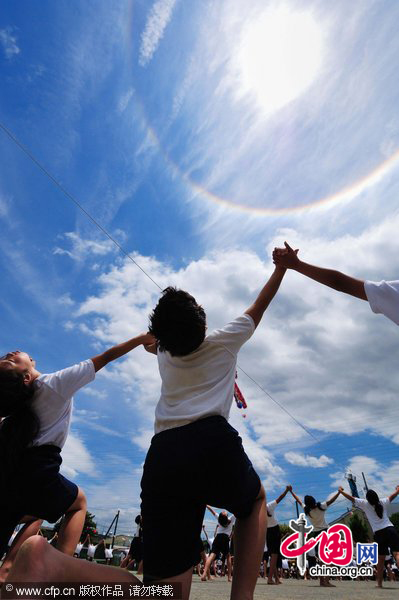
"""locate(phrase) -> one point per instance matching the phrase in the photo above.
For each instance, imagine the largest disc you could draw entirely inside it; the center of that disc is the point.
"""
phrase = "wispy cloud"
(306, 460)
(158, 18)
(8, 40)
(81, 248)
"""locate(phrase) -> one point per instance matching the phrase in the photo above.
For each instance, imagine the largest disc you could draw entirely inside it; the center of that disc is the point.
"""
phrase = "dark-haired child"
(385, 533)
(273, 537)
(198, 372)
(221, 542)
(316, 513)
(35, 412)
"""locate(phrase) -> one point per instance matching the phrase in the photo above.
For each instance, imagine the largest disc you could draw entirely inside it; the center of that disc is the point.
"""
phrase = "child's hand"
(147, 339)
(285, 257)
(150, 343)
(340, 489)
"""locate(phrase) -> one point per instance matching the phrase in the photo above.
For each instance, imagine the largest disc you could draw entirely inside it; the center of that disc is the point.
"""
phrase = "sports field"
(292, 589)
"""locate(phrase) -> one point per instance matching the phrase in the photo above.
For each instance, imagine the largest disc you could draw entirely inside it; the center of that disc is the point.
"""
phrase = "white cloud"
(124, 100)
(81, 248)
(324, 356)
(381, 476)
(305, 460)
(158, 18)
(9, 42)
(76, 458)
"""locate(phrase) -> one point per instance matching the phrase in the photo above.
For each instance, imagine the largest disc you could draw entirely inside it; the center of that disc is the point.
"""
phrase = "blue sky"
(200, 135)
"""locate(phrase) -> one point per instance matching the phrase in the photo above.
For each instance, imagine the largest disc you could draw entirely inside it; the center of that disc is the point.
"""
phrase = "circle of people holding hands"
(197, 370)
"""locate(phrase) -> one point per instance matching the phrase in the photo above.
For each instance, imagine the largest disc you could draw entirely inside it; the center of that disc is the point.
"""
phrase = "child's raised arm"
(288, 259)
(394, 494)
(333, 499)
(212, 511)
(348, 496)
(266, 295)
(287, 489)
(103, 359)
(296, 497)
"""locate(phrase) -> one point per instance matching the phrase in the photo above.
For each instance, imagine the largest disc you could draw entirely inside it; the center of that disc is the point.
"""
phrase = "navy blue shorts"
(35, 488)
(221, 545)
(387, 538)
(273, 539)
(179, 481)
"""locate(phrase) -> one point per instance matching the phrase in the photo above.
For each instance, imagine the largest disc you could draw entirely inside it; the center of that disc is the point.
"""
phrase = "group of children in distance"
(191, 423)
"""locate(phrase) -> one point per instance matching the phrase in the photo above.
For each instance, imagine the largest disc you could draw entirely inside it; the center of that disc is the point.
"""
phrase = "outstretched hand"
(286, 257)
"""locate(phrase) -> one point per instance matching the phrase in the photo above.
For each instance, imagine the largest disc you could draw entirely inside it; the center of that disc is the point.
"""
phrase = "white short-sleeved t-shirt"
(108, 553)
(375, 522)
(317, 517)
(91, 550)
(383, 297)
(53, 401)
(271, 521)
(201, 384)
(78, 548)
(229, 528)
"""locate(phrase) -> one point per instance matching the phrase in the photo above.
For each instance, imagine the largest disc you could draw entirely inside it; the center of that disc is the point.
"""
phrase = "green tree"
(395, 520)
(89, 527)
(284, 529)
(359, 529)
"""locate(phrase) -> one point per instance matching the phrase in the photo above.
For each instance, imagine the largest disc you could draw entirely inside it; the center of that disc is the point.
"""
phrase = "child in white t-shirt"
(384, 532)
(198, 374)
(273, 537)
(35, 412)
(383, 296)
(221, 542)
(315, 511)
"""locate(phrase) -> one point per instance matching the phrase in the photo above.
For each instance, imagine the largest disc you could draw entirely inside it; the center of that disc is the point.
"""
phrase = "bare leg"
(31, 527)
(207, 567)
(380, 569)
(72, 526)
(249, 541)
(39, 561)
(184, 579)
(229, 567)
(140, 568)
(273, 569)
(125, 561)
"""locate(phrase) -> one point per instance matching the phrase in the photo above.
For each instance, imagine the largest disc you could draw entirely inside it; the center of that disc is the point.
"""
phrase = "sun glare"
(278, 57)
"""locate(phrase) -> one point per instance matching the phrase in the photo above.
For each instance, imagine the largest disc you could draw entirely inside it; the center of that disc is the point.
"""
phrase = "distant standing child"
(221, 543)
(191, 434)
(273, 537)
(383, 296)
(35, 412)
(316, 513)
(385, 533)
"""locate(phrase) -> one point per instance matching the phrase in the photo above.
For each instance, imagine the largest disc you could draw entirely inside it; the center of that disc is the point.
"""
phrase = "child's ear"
(28, 378)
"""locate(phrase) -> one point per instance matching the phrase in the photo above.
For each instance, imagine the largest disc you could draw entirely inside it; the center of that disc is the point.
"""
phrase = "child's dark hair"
(20, 424)
(310, 504)
(137, 520)
(373, 498)
(223, 520)
(178, 322)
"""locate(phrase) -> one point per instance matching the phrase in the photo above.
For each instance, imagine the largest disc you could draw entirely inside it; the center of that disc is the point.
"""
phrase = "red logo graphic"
(335, 545)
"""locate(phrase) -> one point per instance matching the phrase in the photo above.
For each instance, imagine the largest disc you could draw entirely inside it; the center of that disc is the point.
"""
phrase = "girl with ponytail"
(35, 412)
(315, 511)
(385, 533)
